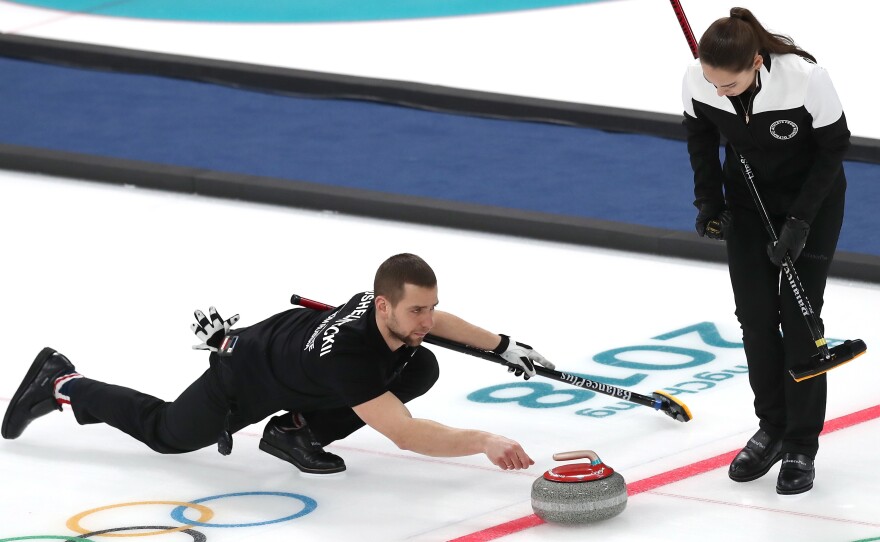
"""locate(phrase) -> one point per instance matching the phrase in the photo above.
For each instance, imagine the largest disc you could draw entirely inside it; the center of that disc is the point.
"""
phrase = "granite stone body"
(575, 503)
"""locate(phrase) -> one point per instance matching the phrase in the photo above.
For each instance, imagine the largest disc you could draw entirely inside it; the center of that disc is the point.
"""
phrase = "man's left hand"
(521, 357)
(211, 332)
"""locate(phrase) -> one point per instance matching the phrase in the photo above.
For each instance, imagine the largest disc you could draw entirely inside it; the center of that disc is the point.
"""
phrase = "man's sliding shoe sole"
(34, 397)
(280, 454)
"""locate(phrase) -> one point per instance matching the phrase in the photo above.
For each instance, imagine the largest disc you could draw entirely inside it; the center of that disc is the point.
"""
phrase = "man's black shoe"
(796, 475)
(299, 447)
(35, 396)
(753, 461)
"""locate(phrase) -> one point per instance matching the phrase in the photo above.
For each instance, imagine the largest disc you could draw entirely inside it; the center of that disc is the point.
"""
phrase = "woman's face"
(728, 83)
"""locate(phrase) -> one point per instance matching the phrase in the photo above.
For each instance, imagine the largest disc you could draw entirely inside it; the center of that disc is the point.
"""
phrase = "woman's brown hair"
(731, 43)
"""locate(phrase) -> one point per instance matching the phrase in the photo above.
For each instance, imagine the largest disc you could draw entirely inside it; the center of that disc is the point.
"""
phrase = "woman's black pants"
(775, 334)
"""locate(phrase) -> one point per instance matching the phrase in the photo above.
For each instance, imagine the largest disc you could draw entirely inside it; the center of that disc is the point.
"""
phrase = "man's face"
(413, 316)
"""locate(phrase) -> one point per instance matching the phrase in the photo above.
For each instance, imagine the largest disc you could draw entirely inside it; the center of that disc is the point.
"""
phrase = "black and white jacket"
(795, 139)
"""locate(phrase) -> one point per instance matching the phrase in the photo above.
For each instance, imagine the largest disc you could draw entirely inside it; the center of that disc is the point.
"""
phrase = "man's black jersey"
(795, 139)
(305, 360)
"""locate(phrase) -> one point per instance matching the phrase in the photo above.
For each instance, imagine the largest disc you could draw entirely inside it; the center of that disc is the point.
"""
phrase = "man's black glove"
(792, 239)
(713, 221)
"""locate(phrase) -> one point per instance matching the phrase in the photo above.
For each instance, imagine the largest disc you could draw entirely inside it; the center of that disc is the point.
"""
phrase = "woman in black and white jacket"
(777, 108)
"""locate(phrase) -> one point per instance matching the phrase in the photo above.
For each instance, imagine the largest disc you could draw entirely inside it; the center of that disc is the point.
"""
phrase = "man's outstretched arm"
(521, 357)
(450, 326)
(387, 415)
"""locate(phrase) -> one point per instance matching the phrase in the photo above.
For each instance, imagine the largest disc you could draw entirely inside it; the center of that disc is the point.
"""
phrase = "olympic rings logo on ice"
(178, 514)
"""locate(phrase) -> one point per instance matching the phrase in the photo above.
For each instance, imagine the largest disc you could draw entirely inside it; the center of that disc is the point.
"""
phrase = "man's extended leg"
(193, 421)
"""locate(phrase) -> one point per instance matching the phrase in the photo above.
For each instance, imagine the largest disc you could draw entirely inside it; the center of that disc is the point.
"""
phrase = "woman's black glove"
(713, 221)
(792, 238)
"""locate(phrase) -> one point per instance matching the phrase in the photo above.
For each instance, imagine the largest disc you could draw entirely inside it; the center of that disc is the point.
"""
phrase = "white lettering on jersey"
(311, 344)
(329, 334)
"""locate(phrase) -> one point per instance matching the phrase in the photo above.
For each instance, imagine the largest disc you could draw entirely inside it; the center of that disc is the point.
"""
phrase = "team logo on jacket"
(783, 129)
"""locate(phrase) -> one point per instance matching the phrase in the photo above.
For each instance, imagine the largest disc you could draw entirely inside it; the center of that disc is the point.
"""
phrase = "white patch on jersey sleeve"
(686, 97)
(821, 100)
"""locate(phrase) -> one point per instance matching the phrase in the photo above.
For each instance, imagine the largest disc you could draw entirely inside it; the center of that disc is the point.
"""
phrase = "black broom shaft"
(552, 374)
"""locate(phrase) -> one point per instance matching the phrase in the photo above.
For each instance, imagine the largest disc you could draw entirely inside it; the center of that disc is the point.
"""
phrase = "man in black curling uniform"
(333, 371)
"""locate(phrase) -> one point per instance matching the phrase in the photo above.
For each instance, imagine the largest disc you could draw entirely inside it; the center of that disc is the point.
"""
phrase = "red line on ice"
(665, 478)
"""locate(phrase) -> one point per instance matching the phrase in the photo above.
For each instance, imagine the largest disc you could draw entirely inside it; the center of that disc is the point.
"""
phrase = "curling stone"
(579, 493)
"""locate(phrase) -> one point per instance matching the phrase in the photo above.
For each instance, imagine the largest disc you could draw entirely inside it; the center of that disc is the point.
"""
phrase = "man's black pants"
(197, 417)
